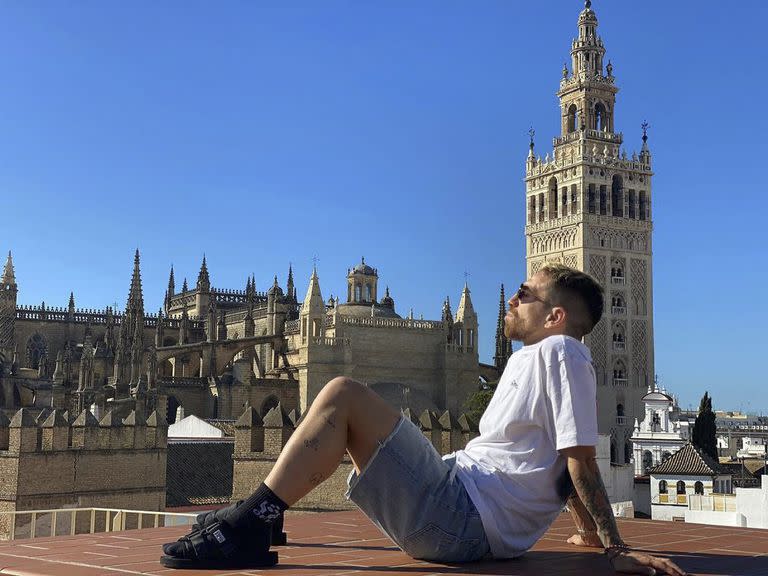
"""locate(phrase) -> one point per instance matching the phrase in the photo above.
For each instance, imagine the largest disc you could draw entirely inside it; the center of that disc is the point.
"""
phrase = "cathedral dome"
(363, 268)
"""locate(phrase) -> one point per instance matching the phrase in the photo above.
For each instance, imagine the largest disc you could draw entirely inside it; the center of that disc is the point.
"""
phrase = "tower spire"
(203, 280)
(135, 295)
(503, 345)
(9, 276)
(171, 284)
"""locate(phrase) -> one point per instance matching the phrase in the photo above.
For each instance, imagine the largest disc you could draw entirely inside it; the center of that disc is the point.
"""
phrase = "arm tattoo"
(330, 422)
(580, 514)
(591, 491)
(313, 443)
(315, 479)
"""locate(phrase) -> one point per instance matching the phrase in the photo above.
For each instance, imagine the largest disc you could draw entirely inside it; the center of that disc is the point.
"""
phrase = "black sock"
(261, 506)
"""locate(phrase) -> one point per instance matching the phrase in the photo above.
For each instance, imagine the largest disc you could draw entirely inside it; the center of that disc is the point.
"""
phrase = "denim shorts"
(415, 498)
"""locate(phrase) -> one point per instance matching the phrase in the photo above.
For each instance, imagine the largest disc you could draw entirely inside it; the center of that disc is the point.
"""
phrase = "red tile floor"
(347, 543)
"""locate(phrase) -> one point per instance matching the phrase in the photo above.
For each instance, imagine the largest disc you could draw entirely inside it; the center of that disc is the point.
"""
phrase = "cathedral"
(588, 206)
(215, 352)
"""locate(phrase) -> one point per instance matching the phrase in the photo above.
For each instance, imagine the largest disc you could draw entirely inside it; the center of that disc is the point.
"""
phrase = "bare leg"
(345, 416)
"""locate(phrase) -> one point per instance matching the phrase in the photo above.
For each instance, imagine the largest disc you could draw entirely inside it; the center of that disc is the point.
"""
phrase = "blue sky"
(263, 133)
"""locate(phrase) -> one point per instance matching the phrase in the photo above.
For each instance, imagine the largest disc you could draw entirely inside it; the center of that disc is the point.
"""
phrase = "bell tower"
(588, 206)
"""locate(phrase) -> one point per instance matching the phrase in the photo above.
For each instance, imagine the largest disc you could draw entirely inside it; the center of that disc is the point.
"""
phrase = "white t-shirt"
(545, 402)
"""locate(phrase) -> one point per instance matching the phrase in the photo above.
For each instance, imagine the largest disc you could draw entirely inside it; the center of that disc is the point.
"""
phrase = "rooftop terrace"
(335, 543)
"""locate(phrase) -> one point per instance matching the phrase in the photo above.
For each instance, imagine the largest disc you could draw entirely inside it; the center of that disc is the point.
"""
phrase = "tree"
(705, 429)
(478, 402)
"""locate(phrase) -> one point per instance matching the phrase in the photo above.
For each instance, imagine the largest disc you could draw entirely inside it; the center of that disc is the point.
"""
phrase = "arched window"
(680, 487)
(613, 451)
(618, 336)
(600, 117)
(698, 488)
(663, 487)
(617, 196)
(603, 200)
(368, 293)
(619, 372)
(627, 452)
(665, 456)
(620, 410)
(648, 462)
(35, 351)
(591, 201)
(642, 206)
(552, 200)
(573, 118)
(358, 292)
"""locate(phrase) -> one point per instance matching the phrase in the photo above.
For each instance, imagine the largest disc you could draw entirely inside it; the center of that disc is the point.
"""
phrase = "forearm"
(592, 495)
(581, 517)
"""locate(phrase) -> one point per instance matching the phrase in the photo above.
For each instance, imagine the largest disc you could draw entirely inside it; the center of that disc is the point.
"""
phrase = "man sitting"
(496, 497)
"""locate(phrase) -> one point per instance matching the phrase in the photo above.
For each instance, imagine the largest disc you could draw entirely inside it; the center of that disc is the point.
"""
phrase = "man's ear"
(556, 317)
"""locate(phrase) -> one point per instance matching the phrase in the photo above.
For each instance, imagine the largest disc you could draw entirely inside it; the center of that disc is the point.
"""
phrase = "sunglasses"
(524, 294)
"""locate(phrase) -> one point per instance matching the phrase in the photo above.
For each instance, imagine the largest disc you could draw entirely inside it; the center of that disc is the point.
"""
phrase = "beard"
(514, 328)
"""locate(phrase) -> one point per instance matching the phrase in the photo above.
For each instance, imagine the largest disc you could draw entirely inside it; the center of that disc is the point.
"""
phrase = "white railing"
(46, 523)
(621, 420)
(619, 345)
(617, 279)
(619, 381)
(618, 310)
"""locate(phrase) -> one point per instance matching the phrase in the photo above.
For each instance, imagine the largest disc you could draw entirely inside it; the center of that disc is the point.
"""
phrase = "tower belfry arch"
(589, 207)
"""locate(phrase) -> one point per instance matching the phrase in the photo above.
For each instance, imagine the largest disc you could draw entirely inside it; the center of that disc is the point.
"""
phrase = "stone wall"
(259, 442)
(48, 461)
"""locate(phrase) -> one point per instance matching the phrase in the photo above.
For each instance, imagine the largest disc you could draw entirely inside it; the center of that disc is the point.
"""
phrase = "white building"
(660, 434)
(686, 473)
(748, 507)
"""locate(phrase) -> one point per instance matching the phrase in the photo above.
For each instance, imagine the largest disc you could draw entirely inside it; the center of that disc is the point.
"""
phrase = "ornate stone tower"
(9, 291)
(588, 206)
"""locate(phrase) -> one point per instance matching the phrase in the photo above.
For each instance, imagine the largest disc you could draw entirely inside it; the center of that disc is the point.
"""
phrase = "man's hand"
(633, 562)
(590, 539)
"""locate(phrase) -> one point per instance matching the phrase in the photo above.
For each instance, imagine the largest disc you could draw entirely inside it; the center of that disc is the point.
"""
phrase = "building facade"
(588, 206)
(217, 351)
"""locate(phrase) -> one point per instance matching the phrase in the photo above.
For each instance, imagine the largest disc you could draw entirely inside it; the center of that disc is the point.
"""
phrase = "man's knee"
(341, 388)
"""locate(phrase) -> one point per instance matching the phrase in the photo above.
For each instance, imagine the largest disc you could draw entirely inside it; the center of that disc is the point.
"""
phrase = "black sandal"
(219, 546)
(205, 519)
(279, 538)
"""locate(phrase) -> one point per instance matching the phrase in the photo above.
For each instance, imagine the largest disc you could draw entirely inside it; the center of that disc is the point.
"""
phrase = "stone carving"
(639, 346)
(597, 267)
(597, 340)
(552, 241)
(639, 277)
(619, 239)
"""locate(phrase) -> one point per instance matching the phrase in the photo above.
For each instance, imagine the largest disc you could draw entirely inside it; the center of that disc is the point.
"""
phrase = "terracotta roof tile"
(688, 461)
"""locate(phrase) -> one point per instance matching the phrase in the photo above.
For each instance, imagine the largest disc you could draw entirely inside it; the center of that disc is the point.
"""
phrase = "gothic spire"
(203, 280)
(313, 301)
(289, 288)
(9, 276)
(135, 296)
(503, 345)
(465, 309)
(71, 305)
(184, 287)
(171, 284)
